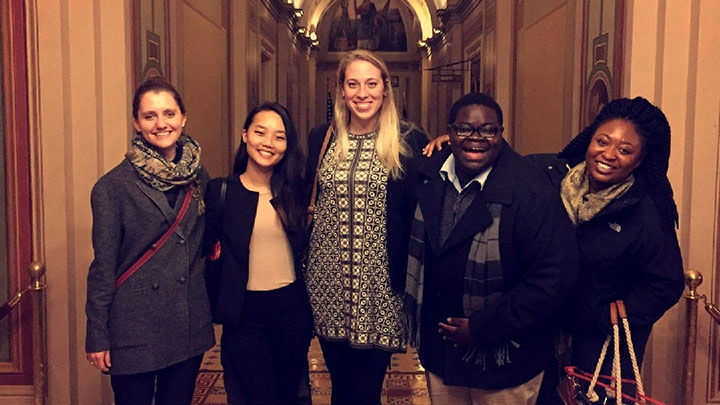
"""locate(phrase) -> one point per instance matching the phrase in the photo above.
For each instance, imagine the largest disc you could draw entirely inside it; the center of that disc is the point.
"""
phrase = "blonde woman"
(357, 254)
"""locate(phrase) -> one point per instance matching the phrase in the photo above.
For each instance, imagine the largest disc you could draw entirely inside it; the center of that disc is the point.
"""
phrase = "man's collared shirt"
(447, 172)
(457, 199)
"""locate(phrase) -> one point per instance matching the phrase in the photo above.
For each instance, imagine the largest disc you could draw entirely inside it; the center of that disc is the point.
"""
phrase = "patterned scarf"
(482, 286)
(582, 205)
(162, 174)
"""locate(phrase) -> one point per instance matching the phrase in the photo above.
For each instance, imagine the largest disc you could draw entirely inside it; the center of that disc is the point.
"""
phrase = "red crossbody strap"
(159, 243)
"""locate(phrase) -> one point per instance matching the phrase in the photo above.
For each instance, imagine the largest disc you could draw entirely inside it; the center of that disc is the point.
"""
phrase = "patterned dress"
(347, 274)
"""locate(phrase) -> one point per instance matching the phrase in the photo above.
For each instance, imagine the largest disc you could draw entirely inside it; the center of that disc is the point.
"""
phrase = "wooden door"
(17, 373)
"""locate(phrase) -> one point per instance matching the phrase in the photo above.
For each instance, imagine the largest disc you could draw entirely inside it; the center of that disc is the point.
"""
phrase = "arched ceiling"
(313, 11)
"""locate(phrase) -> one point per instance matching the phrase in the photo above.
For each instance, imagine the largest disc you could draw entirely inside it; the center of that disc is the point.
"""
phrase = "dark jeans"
(173, 385)
(265, 355)
(357, 375)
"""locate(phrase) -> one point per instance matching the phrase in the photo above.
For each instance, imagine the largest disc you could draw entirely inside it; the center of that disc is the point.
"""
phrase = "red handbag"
(571, 391)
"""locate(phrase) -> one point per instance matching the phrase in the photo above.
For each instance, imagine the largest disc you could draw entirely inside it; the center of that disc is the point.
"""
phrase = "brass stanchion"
(38, 285)
(692, 279)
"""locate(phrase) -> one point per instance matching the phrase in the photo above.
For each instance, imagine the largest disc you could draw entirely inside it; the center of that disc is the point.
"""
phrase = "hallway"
(69, 69)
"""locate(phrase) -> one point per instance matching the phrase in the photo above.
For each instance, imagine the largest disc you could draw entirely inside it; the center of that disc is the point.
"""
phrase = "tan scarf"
(162, 174)
(582, 205)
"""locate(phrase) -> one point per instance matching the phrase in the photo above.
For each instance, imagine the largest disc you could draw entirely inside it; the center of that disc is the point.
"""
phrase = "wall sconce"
(299, 13)
(301, 30)
(313, 36)
(436, 31)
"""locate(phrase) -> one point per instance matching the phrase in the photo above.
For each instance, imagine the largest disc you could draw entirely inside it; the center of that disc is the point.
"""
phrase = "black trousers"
(264, 356)
(357, 375)
(173, 385)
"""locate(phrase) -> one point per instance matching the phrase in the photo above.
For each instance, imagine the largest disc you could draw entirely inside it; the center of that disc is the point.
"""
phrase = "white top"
(271, 264)
(447, 172)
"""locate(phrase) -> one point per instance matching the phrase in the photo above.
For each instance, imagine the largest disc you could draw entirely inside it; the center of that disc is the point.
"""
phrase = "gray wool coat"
(160, 315)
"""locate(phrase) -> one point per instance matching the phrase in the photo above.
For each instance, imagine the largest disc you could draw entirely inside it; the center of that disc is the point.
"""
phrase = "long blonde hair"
(390, 144)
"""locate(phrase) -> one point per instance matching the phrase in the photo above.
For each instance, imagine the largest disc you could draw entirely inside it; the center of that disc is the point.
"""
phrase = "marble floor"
(404, 382)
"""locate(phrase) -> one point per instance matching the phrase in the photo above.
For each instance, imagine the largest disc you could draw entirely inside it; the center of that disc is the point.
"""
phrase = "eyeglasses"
(485, 131)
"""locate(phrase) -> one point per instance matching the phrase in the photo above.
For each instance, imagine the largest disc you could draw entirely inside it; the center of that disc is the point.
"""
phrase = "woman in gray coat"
(149, 329)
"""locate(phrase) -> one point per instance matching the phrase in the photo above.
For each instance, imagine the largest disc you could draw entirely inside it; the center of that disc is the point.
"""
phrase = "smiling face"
(363, 91)
(265, 141)
(474, 154)
(615, 151)
(160, 121)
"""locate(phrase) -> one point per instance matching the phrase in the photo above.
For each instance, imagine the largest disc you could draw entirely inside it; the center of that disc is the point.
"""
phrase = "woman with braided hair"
(613, 183)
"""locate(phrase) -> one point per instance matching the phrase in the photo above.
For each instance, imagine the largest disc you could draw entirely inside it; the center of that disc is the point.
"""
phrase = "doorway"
(17, 374)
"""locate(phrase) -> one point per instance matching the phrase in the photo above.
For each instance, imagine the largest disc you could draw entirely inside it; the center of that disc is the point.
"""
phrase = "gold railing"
(693, 279)
(37, 277)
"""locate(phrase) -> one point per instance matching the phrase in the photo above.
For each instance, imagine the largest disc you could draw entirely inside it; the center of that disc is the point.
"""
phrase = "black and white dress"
(347, 273)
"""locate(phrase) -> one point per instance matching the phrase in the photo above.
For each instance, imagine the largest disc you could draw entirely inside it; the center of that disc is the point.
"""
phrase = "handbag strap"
(617, 310)
(616, 373)
(216, 247)
(223, 191)
(313, 195)
(631, 349)
(159, 243)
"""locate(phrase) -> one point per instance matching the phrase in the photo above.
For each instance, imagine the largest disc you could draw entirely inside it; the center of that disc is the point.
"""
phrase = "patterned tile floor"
(404, 382)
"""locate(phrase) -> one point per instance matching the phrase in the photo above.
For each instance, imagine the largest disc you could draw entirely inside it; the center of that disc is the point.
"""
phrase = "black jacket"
(626, 253)
(232, 226)
(539, 262)
(400, 199)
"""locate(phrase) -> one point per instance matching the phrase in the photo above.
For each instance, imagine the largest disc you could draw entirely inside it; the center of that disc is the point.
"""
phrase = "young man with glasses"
(492, 257)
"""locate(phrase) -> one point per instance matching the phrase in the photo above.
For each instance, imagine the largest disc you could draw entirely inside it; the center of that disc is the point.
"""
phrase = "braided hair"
(654, 130)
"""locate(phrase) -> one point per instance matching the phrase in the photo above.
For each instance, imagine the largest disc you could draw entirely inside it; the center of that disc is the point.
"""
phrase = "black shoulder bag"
(213, 258)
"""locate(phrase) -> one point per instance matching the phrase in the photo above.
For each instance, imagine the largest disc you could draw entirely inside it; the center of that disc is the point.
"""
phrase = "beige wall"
(203, 79)
(673, 60)
(547, 67)
(541, 64)
(83, 84)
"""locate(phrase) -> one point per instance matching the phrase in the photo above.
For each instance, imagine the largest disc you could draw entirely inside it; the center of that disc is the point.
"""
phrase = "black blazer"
(232, 226)
(538, 255)
(401, 200)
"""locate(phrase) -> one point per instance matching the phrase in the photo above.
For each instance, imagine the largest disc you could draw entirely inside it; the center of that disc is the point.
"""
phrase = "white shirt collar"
(447, 172)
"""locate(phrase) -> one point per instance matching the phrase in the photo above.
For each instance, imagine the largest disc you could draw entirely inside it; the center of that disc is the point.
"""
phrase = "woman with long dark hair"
(148, 319)
(257, 214)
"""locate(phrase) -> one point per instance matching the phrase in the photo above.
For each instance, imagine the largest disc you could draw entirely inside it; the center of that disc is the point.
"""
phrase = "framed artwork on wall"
(151, 39)
(602, 56)
(375, 25)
